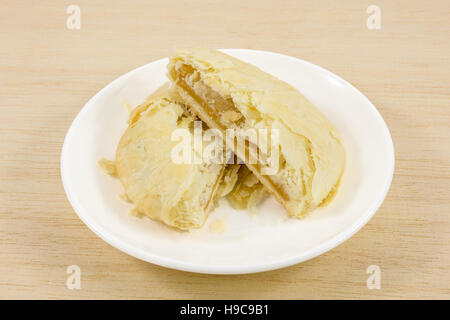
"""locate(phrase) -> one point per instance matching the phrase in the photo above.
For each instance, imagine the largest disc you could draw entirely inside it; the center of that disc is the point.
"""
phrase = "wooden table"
(48, 72)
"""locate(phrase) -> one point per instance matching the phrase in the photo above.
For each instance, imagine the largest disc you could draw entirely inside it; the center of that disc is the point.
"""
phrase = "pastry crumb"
(219, 226)
(125, 104)
(108, 166)
(136, 213)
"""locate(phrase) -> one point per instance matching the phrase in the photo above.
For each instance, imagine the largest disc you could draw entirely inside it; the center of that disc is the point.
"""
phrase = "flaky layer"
(228, 93)
(179, 195)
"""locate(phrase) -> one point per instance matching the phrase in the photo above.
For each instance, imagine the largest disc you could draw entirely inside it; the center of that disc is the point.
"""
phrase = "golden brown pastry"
(180, 195)
(227, 93)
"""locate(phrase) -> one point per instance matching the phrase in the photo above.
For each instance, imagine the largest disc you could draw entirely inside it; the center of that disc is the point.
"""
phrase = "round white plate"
(252, 243)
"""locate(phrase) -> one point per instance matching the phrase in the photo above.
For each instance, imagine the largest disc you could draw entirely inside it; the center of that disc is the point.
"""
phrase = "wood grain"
(48, 73)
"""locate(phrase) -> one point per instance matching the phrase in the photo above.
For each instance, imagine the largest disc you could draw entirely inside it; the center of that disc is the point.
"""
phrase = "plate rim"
(311, 253)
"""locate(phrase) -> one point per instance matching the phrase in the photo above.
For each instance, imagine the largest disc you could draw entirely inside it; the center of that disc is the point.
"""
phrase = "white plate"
(252, 243)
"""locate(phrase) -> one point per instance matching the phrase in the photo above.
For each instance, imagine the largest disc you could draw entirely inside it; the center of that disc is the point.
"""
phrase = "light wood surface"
(49, 72)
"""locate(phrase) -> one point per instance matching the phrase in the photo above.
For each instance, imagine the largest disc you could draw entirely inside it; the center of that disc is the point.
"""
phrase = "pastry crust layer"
(180, 195)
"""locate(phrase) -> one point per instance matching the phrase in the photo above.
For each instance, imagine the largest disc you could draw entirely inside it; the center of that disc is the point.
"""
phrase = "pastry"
(178, 194)
(229, 94)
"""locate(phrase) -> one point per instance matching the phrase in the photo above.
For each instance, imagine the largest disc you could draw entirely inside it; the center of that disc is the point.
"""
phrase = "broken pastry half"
(228, 93)
(178, 194)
